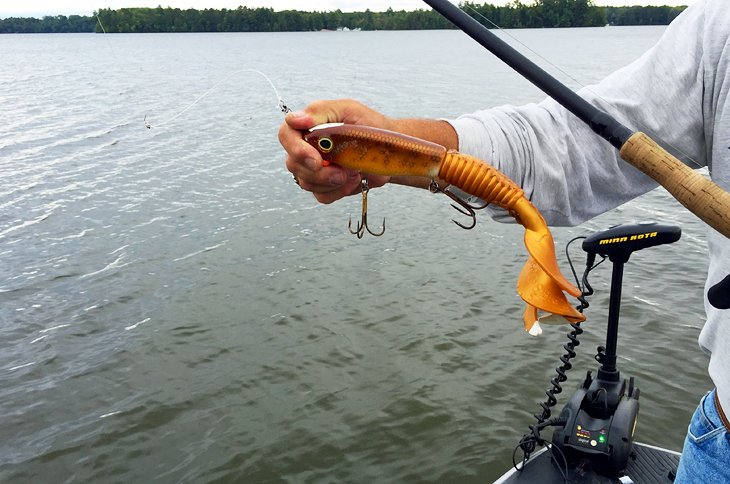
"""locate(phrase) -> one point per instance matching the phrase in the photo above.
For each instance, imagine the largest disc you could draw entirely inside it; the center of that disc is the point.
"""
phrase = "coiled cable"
(529, 442)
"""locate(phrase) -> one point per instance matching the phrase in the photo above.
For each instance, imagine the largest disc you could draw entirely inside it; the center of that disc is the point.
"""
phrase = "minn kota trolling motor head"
(601, 415)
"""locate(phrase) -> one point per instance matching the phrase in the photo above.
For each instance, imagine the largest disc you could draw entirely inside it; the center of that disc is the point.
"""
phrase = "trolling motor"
(600, 417)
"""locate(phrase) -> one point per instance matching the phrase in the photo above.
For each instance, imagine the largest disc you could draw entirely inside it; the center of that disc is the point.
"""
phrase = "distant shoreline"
(577, 13)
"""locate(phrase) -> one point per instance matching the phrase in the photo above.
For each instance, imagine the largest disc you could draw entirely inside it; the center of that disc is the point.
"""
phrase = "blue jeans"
(706, 453)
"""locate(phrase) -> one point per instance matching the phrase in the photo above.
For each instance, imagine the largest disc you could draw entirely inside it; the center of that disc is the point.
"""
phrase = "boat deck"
(648, 465)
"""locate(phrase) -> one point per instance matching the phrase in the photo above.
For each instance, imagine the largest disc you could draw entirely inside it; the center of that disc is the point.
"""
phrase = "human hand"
(327, 182)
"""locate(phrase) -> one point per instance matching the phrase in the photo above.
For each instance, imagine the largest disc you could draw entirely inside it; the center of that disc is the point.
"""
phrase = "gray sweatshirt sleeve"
(570, 173)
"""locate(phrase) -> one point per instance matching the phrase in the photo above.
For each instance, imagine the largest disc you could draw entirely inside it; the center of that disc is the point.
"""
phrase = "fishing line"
(96, 14)
(280, 105)
(103, 30)
(583, 86)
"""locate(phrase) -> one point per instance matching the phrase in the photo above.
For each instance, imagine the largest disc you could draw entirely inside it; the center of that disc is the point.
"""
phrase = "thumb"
(300, 120)
(319, 112)
(336, 111)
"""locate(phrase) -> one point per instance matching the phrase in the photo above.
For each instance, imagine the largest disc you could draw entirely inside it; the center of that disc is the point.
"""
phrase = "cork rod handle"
(701, 196)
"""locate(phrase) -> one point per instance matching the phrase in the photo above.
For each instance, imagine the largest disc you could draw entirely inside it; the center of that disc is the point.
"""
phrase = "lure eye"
(325, 144)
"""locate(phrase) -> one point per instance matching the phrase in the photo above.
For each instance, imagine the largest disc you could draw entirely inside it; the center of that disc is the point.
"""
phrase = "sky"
(39, 8)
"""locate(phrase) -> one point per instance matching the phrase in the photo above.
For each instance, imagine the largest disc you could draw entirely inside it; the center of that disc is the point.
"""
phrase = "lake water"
(175, 309)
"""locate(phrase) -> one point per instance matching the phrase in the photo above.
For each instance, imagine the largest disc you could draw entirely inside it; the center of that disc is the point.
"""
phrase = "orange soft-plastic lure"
(375, 151)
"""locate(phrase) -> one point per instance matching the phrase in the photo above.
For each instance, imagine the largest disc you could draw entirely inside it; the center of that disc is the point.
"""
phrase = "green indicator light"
(601, 439)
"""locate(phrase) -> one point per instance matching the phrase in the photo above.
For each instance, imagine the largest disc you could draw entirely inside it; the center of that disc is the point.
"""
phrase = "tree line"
(48, 24)
(541, 13)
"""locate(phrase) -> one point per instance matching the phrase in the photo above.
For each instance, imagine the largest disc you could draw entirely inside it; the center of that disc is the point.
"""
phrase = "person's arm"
(569, 172)
(330, 183)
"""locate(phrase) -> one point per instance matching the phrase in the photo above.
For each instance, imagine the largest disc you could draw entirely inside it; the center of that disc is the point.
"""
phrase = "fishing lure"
(380, 152)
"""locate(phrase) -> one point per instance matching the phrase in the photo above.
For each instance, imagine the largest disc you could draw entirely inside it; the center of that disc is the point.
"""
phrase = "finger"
(299, 120)
(335, 111)
(350, 187)
(347, 111)
(325, 179)
(300, 152)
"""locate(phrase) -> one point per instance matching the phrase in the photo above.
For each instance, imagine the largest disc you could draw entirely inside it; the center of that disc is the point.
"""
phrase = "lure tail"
(539, 290)
(541, 284)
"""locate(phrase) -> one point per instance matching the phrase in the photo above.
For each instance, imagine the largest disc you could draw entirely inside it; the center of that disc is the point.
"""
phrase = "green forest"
(539, 14)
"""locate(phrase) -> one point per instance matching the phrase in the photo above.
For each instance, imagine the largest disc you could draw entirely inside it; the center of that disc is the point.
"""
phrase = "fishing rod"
(699, 195)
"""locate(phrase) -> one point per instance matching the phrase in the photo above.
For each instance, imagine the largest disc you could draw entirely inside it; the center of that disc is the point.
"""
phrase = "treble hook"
(362, 225)
(466, 208)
